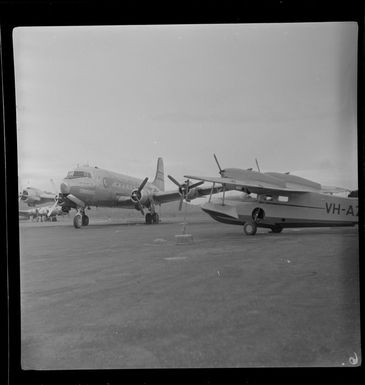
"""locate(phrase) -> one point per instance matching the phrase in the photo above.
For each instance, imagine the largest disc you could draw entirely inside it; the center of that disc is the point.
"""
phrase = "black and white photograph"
(188, 195)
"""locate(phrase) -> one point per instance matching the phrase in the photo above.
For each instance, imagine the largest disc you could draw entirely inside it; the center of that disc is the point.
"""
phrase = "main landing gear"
(80, 219)
(250, 227)
(152, 218)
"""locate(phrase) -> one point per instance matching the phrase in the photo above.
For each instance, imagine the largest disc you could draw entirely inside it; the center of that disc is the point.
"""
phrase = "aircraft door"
(258, 214)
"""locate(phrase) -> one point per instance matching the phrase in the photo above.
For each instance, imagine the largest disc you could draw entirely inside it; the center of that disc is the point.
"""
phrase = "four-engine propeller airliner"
(92, 186)
(278, 200)
(33, 196)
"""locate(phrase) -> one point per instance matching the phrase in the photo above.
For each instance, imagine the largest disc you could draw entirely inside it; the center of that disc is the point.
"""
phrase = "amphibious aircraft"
(92, 186)
(278, 200)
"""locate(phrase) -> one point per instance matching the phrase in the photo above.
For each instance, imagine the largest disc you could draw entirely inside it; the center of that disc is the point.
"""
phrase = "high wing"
(334, 190)
(253, 186)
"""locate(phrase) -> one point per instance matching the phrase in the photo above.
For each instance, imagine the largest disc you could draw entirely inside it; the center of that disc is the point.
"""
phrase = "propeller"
(55, 204)
(184, 188)
(221, 171)
(136, 195)
(23, 195)
(257, 164)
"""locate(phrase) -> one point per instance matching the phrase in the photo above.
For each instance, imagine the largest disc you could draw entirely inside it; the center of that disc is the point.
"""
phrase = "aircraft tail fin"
(159, 180)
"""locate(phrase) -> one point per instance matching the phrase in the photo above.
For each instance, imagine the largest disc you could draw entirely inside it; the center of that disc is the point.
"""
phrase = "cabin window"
(78, 174)
(282, 198)
(268, 198)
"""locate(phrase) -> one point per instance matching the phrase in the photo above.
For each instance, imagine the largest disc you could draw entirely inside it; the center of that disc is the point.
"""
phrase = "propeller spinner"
(184, 188)
(136, 195)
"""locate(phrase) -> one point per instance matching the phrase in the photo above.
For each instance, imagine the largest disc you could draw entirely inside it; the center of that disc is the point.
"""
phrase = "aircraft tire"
(148, 218)
(250, 228)
(85, 220)
(276, 229)
(77, 221)
(155, 218)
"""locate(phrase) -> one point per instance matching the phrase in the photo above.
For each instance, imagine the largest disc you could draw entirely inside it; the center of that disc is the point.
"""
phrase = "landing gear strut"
(152, 218)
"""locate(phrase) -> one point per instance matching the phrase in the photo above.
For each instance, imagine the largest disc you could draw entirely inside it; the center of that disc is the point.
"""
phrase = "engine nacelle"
(192, 194)
(138, 197)
(29, 196)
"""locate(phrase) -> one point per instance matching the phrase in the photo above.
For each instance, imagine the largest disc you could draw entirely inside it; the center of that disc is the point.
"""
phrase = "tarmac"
(121, 294)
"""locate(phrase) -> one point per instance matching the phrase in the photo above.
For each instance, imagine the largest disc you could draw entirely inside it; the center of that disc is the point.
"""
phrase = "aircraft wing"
(24, 213)
(252, 186)
(28, 213)
(334, 190)
(124, 201)
(197, 192)
(47, 196)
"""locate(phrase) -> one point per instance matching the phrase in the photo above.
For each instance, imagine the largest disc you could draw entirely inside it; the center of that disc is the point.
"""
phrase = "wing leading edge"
(252, 186)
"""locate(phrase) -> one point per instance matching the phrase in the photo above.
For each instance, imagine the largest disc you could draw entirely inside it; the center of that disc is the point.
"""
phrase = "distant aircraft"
(28, 214)
(44, 213)
(274, 200)
(34, 196)
(92, 186)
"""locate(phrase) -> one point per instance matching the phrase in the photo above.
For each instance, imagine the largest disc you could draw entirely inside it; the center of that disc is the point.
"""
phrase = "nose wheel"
(80, 219)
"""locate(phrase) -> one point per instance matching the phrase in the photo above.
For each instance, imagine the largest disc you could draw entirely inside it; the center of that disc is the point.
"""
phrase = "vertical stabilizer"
(159, 180)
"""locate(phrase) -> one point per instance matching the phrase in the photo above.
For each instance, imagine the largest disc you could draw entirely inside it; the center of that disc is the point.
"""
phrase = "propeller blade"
(220, 169)
(181, 202)
(196, 184)
(257, 164)
(52, 208)
(174, 180)
(187, 182)
(140, 188)
(140, 208)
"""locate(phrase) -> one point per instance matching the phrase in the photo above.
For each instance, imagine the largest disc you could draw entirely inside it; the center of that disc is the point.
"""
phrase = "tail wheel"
(77, 221)
(155, 218)
(85, 220)
(250, 228)
(148, 218)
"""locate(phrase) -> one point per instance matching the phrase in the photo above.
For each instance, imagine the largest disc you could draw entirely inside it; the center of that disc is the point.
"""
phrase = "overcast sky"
(119, 97)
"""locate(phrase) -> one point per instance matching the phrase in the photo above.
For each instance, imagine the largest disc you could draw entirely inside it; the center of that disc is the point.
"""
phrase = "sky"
(118, 97)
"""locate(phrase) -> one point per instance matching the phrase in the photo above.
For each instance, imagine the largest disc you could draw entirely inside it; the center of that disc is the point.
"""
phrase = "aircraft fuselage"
(100, 187)
(293, 210)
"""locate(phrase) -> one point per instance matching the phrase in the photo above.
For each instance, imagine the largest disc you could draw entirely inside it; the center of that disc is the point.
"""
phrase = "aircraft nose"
(65, 188)
(24, 195)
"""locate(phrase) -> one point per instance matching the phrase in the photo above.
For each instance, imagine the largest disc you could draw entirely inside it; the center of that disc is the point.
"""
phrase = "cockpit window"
(78, 174)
